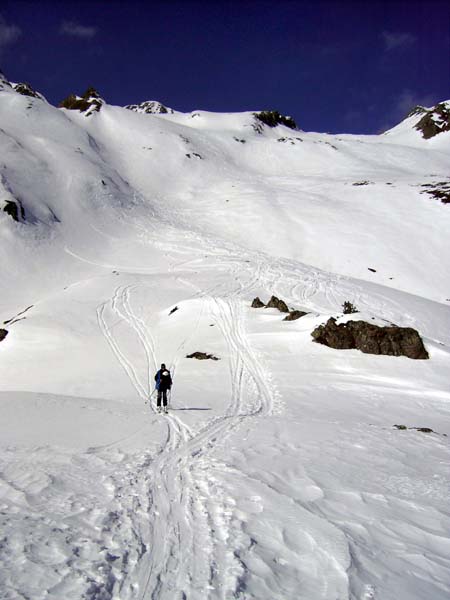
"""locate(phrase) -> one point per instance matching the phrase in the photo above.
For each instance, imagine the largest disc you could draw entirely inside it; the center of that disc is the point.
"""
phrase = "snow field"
(278, 473)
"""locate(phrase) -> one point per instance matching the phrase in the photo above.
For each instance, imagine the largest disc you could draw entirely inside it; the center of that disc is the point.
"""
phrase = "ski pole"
(150, 397)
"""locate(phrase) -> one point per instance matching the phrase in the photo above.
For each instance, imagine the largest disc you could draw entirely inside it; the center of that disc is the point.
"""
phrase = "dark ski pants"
(163, 394)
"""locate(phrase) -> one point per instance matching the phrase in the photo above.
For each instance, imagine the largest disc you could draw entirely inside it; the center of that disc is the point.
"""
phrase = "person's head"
(163, 366)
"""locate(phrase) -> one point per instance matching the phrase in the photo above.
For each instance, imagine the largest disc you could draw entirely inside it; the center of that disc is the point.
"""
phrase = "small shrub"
(349, 308)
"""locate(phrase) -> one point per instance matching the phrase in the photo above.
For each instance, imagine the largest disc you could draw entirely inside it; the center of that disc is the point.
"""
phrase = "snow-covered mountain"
(285, 469)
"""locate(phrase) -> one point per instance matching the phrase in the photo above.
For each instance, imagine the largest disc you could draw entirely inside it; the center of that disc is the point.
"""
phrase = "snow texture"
(278, 473)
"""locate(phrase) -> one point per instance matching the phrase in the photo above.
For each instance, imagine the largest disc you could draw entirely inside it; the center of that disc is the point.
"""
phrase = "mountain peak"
(151, 107)
(434, 120)
(88, 103)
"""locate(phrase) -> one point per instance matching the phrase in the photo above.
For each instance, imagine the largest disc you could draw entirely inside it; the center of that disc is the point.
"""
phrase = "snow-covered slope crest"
(150, 107)
(425, 123)
(226, 176)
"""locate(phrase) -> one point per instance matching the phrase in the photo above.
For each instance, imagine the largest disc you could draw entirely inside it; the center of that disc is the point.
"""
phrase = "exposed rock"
(257, 303)
(14, 210)
(272, 118)
(422, 429)
(3, 334)
(417, 110)
(175, 308)
(361, 183)
(434, 121)
(25, 89)
(294, 315)
(88, 103)
(440, 191)
(150, 107)
(202, 356)
(4, 83)
(275, 302)
(371, 339)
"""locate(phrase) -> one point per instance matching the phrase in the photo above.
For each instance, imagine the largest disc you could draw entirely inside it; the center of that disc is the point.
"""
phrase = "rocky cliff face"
(434, 120)
(88, 103)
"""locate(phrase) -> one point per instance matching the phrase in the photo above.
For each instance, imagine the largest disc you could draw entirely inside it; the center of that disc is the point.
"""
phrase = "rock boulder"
(371, 339)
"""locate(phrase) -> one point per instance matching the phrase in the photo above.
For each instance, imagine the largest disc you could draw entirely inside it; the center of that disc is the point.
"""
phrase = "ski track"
(186, 502)
(171, 526)
(185, 499)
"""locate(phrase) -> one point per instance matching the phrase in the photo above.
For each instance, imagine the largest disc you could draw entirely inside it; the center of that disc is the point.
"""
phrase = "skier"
(163, 383)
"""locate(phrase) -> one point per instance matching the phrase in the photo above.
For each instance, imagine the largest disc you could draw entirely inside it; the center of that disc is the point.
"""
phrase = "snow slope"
(278, 472)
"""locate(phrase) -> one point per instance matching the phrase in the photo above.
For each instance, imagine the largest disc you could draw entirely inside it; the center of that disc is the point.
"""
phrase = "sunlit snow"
(278, 472)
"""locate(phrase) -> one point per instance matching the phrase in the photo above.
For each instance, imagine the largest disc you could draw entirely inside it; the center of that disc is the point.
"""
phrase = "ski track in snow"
(186, 502)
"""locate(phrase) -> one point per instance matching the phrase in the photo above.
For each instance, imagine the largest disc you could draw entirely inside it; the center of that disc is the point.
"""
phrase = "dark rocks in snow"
(440, 191)
(4, 83)
(371, 339)
(361, 183)
(257, 303)
(25, 89)
(272, 118)
(370, 269)
(15, 210)
(88, 103)
(434, 121)
(202, 356)
(275, 302)
(175, 308)
(150, 107)
(280, 305)
(421, 429)
(294, 315)
(3, 334)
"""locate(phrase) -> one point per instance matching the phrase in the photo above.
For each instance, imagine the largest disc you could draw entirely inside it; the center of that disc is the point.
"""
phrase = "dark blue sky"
(335, 66)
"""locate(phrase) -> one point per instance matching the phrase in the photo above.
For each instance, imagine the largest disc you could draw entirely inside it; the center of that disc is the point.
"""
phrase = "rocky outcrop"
(277, 303)
(25, 89)
(202, 356)
(4, 83)
(434, 120)
(88, 103)
(272, 118)
(150, 107)
(280, 305)
(15, 210)
(371, 339)
(440, 191)
(3, 334)
(294, 315)
(257, 303)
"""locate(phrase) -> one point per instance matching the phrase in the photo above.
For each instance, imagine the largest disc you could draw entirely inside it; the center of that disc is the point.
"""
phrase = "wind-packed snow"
(278, 472)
